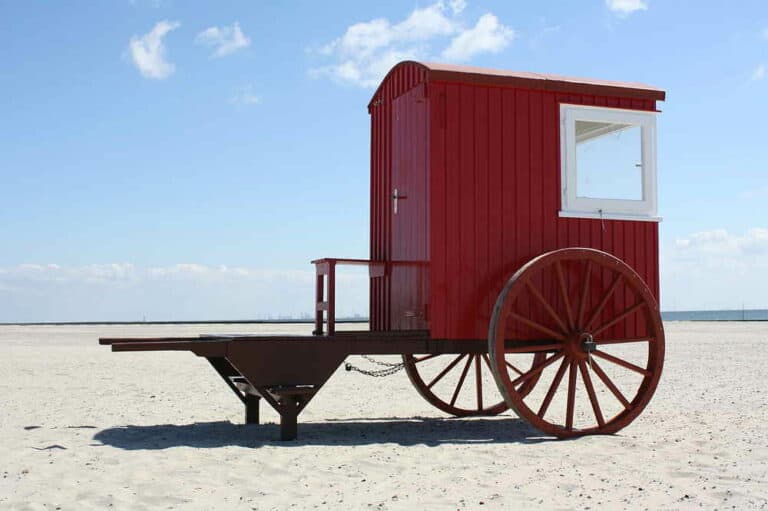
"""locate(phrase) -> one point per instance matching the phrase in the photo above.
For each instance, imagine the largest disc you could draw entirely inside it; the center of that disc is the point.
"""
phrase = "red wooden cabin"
(477, 153)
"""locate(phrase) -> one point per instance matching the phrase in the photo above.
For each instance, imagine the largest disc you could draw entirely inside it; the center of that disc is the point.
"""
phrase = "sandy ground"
(84, 428)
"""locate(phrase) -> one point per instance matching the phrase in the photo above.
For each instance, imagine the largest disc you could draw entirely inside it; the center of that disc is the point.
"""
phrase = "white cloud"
(716, 269)
(364, 39)
(720, 242)
(426, 23)
(124, 291)
(226, 40)
(367, 50)
(458, 6)
(626, 7)
(759, 72)
(148, 51)
(488, 35)
(764, 33)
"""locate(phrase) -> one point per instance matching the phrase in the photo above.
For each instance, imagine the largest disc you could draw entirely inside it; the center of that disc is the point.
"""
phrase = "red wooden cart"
(514, 246)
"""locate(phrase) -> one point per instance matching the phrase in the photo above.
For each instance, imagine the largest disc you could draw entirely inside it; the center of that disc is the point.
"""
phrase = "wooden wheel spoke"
(537, 326)
(620, 317)
(564, 294)
(553, 388)
(591, 392)
(547, 307)
(515, 369)
(479, 382)
(621, 362)
(461, 381)
(570, 405)
(425, 357)
(608, 383)
(626, 340)
(603, 301)
(584, 289)
(537, 369)
(445, 371)
(487, 362)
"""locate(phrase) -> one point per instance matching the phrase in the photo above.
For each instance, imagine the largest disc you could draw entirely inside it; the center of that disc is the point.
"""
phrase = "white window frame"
(616, 209)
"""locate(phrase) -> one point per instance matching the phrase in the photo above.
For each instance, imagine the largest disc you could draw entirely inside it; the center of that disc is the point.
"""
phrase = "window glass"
(608, 161)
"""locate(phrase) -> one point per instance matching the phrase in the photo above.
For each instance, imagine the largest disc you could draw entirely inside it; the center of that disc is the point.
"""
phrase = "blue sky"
(185, 160)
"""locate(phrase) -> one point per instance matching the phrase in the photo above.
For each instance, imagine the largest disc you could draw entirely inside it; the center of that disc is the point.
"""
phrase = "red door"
(409, 293)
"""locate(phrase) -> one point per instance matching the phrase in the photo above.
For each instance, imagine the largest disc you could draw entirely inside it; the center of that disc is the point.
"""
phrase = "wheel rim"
(463, 384)
(599, 329)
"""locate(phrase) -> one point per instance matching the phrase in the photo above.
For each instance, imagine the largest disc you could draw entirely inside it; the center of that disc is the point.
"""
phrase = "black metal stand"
(252, 408)
(287, 371)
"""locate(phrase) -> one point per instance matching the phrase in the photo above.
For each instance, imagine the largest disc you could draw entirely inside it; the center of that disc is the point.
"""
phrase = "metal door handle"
(397, 196)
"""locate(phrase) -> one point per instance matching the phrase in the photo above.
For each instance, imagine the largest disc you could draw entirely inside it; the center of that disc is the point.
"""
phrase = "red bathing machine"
(513, 251)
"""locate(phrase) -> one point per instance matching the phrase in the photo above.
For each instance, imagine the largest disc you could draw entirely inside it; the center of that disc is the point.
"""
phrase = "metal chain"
(380, 363)
(389, 368)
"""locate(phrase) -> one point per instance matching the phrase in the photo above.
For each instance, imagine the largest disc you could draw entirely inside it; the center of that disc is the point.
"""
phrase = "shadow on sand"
(401, 431)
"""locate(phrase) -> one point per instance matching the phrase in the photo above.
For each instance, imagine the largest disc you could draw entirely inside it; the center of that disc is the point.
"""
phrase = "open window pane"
(608, 158)
(608, 161)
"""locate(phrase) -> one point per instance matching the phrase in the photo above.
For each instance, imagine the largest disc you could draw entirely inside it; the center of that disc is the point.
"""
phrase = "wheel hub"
(580, 345)
(588, 344)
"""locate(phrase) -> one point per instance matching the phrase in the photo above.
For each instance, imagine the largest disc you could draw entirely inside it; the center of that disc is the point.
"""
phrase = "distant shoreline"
(203, 322)
(730, 315)
(716, 315)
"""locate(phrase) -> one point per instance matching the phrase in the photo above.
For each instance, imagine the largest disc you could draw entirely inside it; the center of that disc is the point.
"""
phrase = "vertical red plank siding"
(508, 188)
(480, 271)
(493, 279)
(550, 192)
(437, 202)
(522, 179)
(536, 156)
(501, 148)
(465, 200)
(453, 192)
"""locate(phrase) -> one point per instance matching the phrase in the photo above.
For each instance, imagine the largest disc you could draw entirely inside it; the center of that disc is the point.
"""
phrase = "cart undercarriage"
(287, 371)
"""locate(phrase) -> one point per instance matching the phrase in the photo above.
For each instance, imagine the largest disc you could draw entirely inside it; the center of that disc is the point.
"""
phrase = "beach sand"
(84, 428)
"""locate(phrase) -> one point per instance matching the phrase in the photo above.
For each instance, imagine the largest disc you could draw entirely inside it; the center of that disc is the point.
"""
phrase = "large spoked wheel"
(600, 331)
(462, 385)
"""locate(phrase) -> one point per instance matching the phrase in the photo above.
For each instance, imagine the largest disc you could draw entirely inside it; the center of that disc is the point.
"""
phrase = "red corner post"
(319, 291)
(323, 268)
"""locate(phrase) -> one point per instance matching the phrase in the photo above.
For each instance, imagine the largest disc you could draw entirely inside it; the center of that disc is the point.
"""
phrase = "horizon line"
(285, 321)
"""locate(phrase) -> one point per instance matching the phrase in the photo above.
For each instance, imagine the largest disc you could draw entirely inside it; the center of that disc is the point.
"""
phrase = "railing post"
(332, 297)
(318, 301)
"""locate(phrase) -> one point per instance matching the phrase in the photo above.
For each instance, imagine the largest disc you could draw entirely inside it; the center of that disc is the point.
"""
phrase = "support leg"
(289, 411)
(252, 408)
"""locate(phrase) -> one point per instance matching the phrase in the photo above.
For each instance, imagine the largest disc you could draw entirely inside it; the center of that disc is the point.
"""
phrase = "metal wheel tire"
(591, 316)
(462, 385)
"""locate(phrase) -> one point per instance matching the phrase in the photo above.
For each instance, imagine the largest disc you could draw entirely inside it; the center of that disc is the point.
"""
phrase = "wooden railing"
(326, 303)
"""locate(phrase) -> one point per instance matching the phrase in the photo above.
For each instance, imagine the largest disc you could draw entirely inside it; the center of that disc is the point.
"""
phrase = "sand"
(84, 428)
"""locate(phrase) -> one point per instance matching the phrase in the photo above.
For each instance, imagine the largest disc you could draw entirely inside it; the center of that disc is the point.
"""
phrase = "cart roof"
(528, 80)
